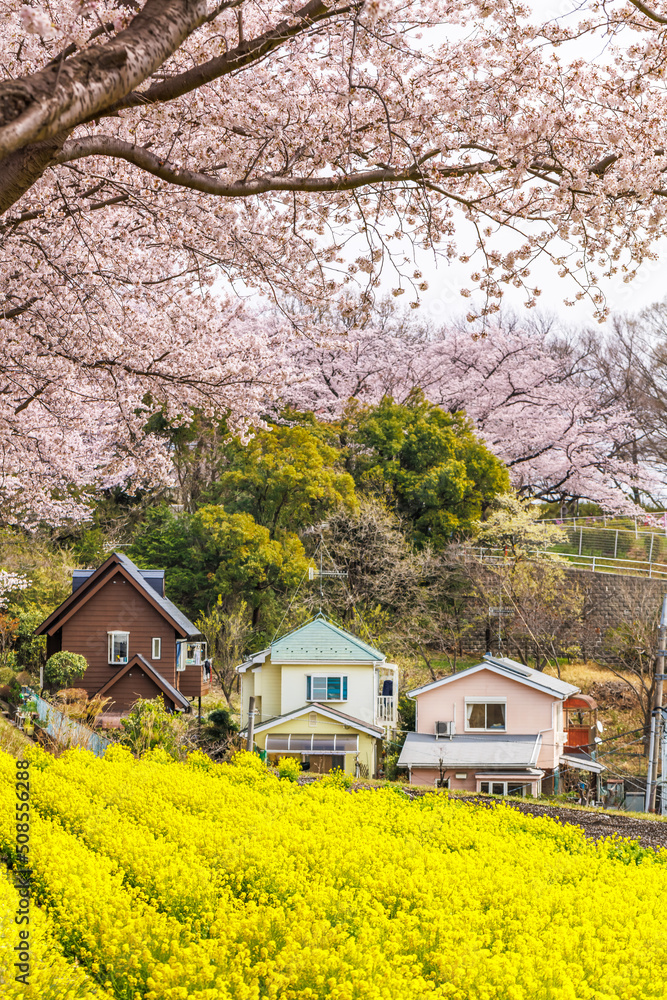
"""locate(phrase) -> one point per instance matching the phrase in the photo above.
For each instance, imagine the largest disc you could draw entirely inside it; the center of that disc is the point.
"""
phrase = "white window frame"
(505, 783)
(111, 637)
(484, 701)
(156, 643)
(326, 677)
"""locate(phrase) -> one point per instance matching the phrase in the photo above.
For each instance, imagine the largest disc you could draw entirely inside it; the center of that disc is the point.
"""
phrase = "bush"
(149, 725)
(338, 779)
(390, 766)
(63, 668)
(220, 725)
(75, 703)
(6, 675)
(289, 768)
(246, 767)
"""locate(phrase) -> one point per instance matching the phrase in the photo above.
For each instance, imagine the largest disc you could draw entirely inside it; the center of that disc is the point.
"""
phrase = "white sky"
(443, 297)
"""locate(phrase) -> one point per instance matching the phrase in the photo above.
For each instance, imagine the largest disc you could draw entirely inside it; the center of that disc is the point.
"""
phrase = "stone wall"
(609, 600)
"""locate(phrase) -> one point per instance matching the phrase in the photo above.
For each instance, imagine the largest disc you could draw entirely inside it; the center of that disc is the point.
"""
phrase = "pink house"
(498, 727)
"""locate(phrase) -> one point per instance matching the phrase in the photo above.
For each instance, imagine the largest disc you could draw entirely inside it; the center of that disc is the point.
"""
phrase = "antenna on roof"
(321, 574)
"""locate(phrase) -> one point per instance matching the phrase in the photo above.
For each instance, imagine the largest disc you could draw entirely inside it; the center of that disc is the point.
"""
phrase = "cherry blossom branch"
(653, 15)
(248, 51)
(102, 145)
(62, 95)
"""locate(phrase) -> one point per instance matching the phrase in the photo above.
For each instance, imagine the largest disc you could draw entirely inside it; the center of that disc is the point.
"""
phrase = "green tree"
(63, 668)
(429, 464)
(286, 477)
(214, 554)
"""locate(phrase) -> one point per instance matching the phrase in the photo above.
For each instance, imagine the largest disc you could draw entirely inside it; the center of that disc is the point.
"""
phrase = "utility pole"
(251, 724)
(656, 714)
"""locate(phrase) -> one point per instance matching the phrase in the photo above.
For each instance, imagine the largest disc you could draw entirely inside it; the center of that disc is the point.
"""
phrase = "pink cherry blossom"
(162, 162)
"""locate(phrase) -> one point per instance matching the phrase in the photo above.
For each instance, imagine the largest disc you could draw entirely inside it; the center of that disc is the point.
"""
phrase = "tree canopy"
(150, 148)
(432, 465)
(286, 477)
(214, 553)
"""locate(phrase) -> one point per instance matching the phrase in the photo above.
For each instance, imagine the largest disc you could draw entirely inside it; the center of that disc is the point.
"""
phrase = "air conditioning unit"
(445, 729)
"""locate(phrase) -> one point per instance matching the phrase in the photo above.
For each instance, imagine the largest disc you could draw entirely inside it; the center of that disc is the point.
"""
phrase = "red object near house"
(137, 643)
(581, 713)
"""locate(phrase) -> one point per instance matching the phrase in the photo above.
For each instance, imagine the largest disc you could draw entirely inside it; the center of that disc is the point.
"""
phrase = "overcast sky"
(444, 295)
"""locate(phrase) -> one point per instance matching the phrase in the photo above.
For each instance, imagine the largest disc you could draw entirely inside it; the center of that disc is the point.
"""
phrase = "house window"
(320, 687)
(485, 715)
(156, 652)
(441, 782)
(189, 654)
(504, 787)
(119, 643)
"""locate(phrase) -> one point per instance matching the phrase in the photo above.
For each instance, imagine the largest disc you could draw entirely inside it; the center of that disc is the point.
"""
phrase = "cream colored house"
(321, 695)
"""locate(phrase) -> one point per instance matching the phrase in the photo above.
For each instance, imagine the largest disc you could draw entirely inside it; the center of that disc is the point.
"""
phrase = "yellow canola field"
(52, 977)
(170, 881)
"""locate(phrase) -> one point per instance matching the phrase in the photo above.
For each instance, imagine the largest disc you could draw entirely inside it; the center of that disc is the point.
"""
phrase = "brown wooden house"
(137, 643)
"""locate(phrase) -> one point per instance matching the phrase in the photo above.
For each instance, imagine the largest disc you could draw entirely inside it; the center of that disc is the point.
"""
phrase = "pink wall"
(429, 776)
(527, 710)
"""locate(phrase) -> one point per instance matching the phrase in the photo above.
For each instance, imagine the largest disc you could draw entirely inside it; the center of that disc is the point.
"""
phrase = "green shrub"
(289, 768)
(6, 675)
(338, 779)
(63, 668)
(390, 768)
(220, 725)
(149, 726)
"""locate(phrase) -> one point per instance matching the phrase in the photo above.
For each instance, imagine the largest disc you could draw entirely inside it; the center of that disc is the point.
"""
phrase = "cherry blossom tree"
(150, 148)
(540, 400)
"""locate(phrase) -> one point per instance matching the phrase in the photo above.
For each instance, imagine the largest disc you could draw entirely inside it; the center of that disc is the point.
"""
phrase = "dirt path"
(595, 824)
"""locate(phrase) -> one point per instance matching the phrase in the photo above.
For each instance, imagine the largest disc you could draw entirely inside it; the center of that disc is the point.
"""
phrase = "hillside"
(167, 881)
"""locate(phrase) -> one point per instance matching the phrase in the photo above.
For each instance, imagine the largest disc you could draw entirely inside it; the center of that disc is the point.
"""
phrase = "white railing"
(596, 564)
(650, 521)
(385, 710)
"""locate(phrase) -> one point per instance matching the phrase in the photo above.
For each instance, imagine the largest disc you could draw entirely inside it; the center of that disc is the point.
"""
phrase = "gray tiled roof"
(500, 750)
(559, 687)
(168, 606)
(513, 670)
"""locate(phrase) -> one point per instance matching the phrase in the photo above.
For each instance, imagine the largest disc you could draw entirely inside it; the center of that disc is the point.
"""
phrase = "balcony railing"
(385, 710)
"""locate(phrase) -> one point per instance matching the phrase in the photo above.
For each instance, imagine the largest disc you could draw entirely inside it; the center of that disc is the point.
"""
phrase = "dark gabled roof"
(138, 661)
(168, 606)
(118, 562)
(154, 577)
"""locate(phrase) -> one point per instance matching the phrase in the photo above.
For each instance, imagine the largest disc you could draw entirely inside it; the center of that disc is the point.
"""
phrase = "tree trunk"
(20, 170)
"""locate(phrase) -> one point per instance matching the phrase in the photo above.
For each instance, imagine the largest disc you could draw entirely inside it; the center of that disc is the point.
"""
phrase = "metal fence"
(655, 521)
(614, 550)
(68, 732)
(595, 563)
